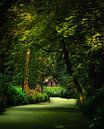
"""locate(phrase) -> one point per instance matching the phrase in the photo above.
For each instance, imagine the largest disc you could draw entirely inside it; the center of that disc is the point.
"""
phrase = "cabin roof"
(49, 78)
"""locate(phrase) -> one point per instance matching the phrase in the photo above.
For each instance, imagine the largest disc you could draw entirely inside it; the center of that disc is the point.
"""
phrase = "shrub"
(16, 96)
(98, 119)
(59, 91)
(34, 97)
(69, 93)
(94, 109)
(41, 97)
(3, 87)
(54, 91)
(89, 106)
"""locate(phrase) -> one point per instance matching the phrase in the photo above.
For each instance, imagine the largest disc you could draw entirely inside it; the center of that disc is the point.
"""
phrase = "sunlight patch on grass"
(54, 115)
(55, 102)
(63, 100)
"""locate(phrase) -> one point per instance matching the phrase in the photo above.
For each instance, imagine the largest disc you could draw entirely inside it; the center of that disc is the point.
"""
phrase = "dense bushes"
(69, 93)
(12, 95)
(94, 108)
(34, 97)
(3, 87)
(54, 91)
(16, 96)
(59, 91)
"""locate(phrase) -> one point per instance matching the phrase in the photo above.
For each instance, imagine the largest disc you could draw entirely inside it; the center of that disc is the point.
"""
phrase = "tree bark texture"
(93, 74)
(96, 74)
(26, 70)
(69, 67)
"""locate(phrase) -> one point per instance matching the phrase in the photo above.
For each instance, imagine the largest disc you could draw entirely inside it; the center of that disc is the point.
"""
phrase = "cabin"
(51, 81)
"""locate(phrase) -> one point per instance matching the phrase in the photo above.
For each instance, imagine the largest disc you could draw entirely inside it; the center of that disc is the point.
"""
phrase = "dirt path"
(58, 114)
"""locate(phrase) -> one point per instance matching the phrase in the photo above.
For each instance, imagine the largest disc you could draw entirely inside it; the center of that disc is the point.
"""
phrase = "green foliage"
(38, 97)
(3, 87)
(3, 104)
(94, 108)
(35, 97)
(60, 91)
(16, 96)
(67, 28)
(3, 84)
(98, 119)
(69, 93)
(40, 25)
(95, 41)
(54, 91)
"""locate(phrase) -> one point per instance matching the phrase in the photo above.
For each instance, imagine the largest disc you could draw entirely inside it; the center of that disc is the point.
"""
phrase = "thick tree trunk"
(69, 68)
(93, 71)
(93, 74)
(26, 70)
(96, 68)
(102, 68)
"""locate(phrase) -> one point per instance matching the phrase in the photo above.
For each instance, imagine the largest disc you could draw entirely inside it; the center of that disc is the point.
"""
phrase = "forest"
(63, 39)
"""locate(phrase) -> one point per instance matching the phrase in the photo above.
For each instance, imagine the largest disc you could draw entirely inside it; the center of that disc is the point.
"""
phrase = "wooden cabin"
(51, 81)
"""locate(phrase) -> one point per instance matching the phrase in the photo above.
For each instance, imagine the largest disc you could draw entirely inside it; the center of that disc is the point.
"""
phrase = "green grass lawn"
(58, 114)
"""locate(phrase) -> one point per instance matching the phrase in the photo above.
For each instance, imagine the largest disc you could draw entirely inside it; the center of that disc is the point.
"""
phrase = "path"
(58, 114)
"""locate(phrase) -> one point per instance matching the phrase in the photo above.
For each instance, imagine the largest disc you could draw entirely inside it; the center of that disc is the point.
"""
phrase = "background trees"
(63, 38)
(35, 33)
(50, 27)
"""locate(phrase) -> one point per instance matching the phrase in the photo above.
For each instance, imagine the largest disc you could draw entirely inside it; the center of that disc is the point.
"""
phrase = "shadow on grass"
(43, 116)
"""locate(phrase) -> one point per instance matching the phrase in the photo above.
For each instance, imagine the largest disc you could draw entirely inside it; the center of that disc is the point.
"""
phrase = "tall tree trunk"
(102, 68)
(93, 74)
(69, 68)
(96, 70)
(26, 70)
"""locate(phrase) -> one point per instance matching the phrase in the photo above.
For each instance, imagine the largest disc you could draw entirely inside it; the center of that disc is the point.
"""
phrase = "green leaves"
(21, 37)
(41, 26)
(95, 41)
(67, 28)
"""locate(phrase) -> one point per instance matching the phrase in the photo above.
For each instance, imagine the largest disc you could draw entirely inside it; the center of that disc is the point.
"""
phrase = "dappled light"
(51, 64)
(59, 113)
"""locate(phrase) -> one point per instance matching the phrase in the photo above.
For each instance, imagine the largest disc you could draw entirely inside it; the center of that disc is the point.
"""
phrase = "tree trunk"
(93, 74)
(96, 68)
(26, 70)
(92, 67)
(69, 68)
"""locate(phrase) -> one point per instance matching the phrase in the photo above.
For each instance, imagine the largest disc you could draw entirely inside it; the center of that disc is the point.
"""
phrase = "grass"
(58, 114)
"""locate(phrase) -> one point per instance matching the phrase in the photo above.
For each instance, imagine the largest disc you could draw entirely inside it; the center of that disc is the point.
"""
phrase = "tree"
(45, 29)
